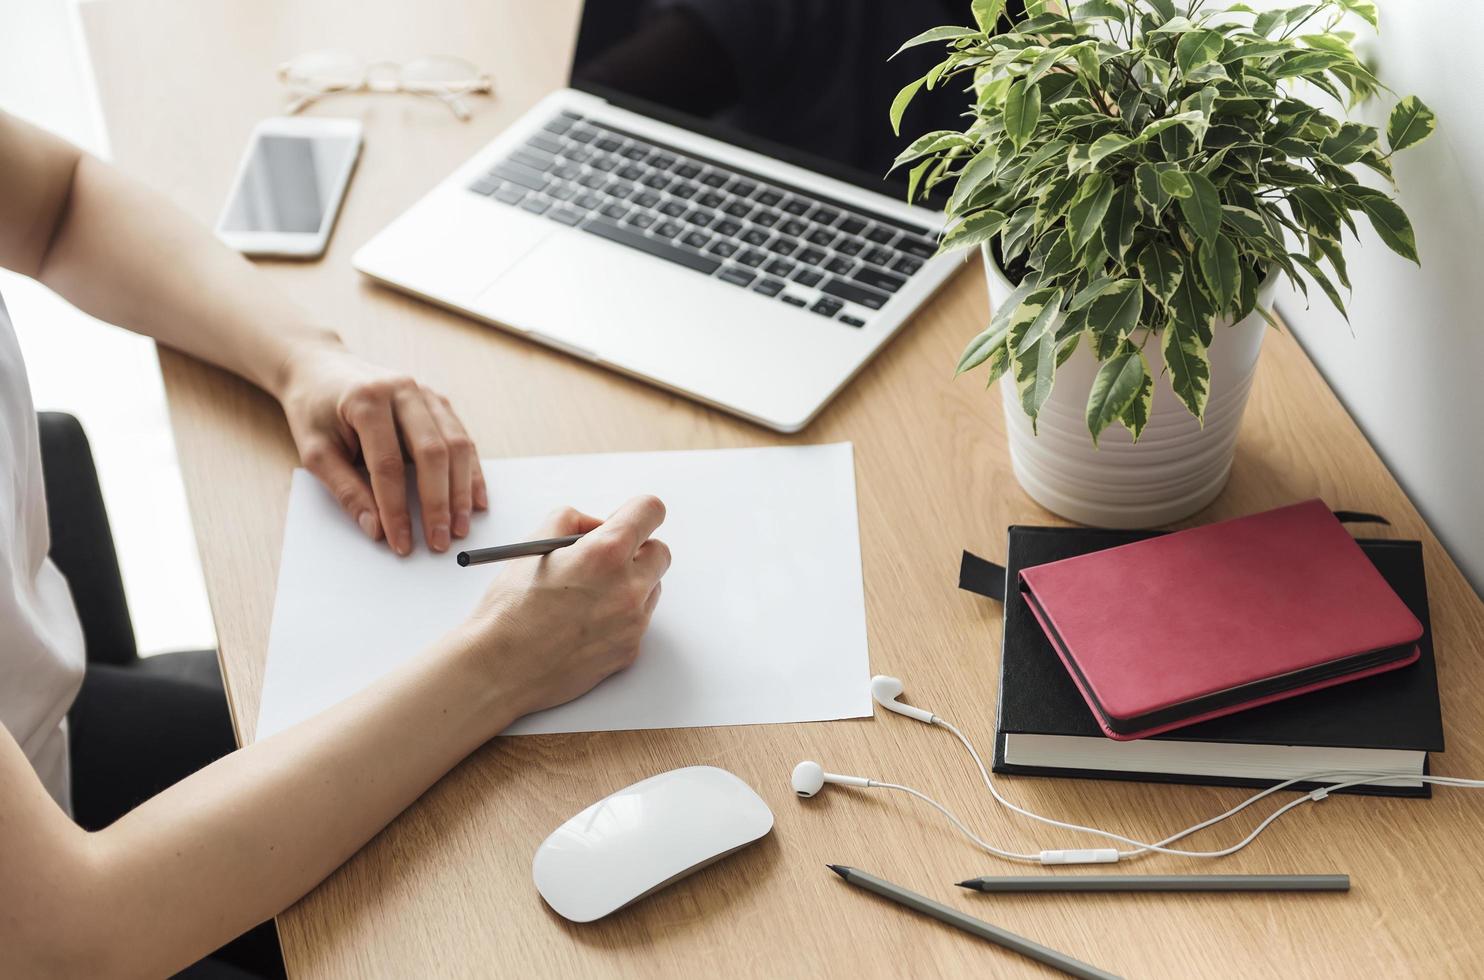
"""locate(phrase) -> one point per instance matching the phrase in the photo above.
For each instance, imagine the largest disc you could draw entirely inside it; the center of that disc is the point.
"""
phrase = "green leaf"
(1035, 371)
(1022, 111)
(936, 34)
(1161, 268)
(1121, 223)
(1033, 318)
(1151, 191)
(1176, 183)
(987, 13)
(1118, 382)
(1202, 208)
(977, 228)
(1317, 274)
(899, 104)
(1244, 222)
(1193, 121)
(1391, 223)
(1090, 292)
(1086, 215)
(1365, 9)
(978, 170)
(1164, 8)
(1411, 122)
(1114, 315)
(1043, 64)
(1221, 270)
(981, 349)
(914, 177)
(1198, 48)
(940, 139)
(1348, 145)
(1136, 415)
(999, 361)
(1105, 146)
(1189, 365)
(1190, 307)
(1098, 10)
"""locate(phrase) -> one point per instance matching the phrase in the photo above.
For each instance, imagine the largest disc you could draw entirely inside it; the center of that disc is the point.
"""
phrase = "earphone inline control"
(809, 778)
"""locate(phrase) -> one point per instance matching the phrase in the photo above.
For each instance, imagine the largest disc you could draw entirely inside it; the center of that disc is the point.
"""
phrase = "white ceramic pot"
(1177, 467)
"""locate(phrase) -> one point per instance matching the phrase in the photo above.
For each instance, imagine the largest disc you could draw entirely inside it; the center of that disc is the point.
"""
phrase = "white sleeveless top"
(41, 645)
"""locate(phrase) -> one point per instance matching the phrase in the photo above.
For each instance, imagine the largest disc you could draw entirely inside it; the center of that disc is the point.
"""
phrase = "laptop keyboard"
(777, 241)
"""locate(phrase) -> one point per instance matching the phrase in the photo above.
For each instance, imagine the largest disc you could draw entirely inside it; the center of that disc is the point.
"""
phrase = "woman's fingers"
(425, 444)
(382, 451)
(652, 560)
(564, 521)
(633, 523)
(329, 464)
(463, 462)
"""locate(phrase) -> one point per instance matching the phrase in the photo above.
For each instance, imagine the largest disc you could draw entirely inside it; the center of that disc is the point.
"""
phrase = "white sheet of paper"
(762, 619)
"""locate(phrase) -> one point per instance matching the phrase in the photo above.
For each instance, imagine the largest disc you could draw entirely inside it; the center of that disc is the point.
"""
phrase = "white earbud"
(809, 778)
(886, 690)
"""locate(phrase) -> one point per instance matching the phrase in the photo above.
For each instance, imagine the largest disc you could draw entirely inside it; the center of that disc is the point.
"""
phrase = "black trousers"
(139, 725)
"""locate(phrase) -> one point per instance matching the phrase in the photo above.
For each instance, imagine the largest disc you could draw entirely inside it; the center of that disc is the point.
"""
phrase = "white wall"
(1413, 373)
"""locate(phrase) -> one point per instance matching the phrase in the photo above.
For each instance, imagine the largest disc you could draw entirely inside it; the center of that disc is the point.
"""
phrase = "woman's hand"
(551, 628)
(340, 407)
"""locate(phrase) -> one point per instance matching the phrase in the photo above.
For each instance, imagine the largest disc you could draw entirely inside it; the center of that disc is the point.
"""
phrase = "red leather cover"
(1201, 623)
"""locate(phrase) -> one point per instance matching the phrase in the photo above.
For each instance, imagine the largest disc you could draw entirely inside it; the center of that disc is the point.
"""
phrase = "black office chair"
(82, 548)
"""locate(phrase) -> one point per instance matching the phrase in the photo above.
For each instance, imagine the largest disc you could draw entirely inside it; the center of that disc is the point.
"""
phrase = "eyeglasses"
(311, 77)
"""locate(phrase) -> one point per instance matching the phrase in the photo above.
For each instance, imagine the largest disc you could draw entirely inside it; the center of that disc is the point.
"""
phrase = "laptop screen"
(806, 81)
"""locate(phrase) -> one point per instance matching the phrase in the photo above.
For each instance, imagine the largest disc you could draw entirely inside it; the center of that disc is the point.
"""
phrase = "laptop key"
(752, 257)
(562, 192)
(880, 234)
(701, 218)
(723, 248)
(851, 321)
(509, 194)
(604, 163)
(567, 171)
(687, 170)
(856, 294)
(657, 181)
(565, 215)
(593, 180)
(879, 279)
(545, 143)
(710, 199)
(768, 197)
(669, 229)
(737, 276)
(635, 151)
(821, 236)
(849, 246)
(764, 217)
(579, 155)
(824, 215)
(737, 209)
(793, 227)
(662, 160)
(631, 171)
(839, 265)
(756, 236)
(615, 211)
(907, 265)
(792, 300)
(560, 124)
(811, 256)
(877, 255)
(619, 189)
(485, 186)
(826, 306)
(641, 220)
(582, 134)
(673, 208)
(780, 267)
(807, 277)
(726, 226)
(533, 180)
(655, 247)
(535, 205)
(784, 246)
(646, 199)
(684, 191)
(796, 206)
(714, 178)
(919, 247)
(695, 239)
(609, 143)
(742, 187)
(769, 287)
(853, 225)
(588, 200)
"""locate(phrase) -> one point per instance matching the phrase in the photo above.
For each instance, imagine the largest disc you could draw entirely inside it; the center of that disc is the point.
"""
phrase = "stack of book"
(1244, 653)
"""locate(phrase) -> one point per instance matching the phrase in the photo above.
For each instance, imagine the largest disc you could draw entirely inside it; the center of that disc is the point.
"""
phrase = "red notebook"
(1201, 623)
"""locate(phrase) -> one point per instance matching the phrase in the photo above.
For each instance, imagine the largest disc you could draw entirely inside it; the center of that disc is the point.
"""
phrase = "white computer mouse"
(645, 836)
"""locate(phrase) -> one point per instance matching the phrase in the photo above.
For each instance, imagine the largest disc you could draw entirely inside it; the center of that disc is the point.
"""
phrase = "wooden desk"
(446, 889)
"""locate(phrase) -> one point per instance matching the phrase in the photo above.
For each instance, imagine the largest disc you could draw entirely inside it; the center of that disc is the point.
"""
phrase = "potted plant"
(1138, 175)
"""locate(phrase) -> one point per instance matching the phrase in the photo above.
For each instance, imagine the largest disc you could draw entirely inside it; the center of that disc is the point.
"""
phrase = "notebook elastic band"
(1359, 517)
(982, 577)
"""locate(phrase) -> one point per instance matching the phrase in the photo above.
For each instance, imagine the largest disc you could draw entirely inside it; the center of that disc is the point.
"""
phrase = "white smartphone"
(289, 186)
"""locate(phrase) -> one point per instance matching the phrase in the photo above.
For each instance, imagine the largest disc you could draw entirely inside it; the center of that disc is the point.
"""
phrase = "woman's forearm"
(127, 255)
(249, 835)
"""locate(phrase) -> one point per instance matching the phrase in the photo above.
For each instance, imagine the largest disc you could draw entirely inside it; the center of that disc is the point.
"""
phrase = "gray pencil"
(545, 546)
(969, 924)
(1160, 883)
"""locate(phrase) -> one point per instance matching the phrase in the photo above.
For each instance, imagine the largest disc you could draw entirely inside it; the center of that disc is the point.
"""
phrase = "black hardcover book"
(1044, 727)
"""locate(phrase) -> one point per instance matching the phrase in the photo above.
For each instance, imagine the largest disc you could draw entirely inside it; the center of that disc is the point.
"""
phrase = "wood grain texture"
(446, 889)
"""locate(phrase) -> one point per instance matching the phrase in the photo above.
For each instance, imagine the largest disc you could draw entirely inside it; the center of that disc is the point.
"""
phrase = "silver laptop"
(702, 208)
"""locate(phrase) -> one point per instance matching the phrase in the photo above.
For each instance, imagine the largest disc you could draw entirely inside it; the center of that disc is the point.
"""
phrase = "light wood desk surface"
(446, 889)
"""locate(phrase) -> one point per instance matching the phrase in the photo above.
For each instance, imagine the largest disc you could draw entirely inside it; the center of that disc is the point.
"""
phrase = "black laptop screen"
(806, 81)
